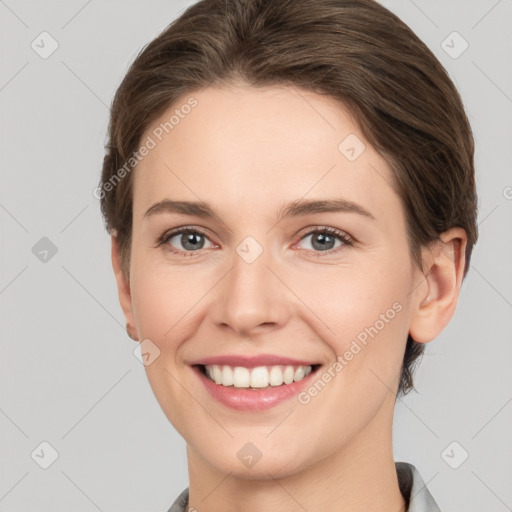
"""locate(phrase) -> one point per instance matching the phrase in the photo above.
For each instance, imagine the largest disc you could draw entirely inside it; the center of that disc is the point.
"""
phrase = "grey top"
(412, 487)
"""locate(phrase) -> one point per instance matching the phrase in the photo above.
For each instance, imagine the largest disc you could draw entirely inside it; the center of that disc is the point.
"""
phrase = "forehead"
(259, 148)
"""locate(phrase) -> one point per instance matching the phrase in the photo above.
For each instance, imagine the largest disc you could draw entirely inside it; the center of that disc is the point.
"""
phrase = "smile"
(258, 377)
(273, 384)
(254, 382)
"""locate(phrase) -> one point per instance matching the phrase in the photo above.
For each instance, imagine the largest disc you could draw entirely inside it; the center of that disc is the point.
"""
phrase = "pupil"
(191, 239)
(324, 241)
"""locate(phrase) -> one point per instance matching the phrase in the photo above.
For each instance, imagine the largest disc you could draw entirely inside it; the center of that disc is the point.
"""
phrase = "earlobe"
(123, 288)
(434, 304)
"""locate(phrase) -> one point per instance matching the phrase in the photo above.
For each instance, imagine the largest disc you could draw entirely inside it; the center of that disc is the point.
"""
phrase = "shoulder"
(412, 487)
(181, 502)
(414, 490)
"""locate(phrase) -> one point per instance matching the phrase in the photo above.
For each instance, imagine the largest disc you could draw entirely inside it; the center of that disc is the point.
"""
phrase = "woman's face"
(251, 277)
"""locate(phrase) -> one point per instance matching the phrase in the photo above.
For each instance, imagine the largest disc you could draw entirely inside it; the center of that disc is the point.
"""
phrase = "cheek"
(362, 315)
(163, 305)
(348, 299)
(160, 298)
(170, 302)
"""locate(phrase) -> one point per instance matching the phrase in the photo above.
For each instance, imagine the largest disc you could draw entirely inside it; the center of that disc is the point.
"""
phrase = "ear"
(123, 288)
(436, 299)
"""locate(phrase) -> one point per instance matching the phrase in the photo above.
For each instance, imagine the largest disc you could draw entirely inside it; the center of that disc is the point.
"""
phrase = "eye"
(185, 240)
(324, 239)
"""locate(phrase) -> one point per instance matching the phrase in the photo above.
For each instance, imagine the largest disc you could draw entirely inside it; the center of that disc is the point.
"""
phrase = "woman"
(290, 191)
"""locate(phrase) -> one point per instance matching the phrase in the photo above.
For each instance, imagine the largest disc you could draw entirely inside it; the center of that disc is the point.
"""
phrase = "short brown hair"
(355, 51)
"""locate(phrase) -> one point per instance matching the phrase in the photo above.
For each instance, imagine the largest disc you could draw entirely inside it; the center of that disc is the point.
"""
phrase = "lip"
(252, 399)
(252, 361)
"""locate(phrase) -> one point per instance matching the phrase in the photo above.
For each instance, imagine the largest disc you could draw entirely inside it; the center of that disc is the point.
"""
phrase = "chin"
(270, 464)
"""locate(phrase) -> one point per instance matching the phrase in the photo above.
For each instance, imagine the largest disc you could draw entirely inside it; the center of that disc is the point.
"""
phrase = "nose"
(251, 298)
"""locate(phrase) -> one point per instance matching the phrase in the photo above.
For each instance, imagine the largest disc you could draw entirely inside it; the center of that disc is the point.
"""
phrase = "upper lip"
(251, 361)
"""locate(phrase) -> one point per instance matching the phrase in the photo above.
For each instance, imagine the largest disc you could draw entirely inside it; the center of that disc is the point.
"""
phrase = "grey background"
(68, 373)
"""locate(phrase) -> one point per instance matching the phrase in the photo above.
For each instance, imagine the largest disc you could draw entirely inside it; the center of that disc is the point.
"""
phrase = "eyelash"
(343, 237)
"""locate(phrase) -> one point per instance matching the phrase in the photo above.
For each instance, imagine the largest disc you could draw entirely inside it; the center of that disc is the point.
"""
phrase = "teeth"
(275, 376)
(299, 374)
(258, 377)
(217, 375)
(288, 374)
(241, 377)
(227, 376)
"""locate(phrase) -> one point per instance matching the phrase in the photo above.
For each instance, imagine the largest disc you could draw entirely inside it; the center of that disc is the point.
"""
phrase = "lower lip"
(248, 399)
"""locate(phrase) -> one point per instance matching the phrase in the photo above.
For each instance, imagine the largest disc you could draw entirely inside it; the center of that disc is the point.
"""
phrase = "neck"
(357, 477)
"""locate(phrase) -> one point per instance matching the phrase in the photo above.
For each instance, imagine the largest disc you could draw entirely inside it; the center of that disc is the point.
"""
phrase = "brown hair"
(355, 51)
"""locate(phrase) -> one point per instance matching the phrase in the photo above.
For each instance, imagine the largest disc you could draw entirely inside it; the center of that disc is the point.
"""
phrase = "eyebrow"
(298, 208)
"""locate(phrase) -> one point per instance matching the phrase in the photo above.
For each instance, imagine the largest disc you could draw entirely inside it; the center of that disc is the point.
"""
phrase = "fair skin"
(247, 153)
